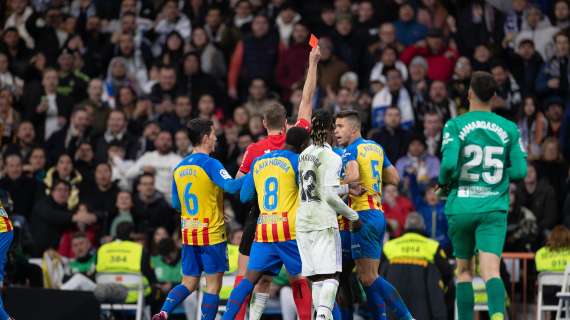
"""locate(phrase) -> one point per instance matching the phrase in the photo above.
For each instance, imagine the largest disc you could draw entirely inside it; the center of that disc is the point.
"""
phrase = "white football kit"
(317, 232)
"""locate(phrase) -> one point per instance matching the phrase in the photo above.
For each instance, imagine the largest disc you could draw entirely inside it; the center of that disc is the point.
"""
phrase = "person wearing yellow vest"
(6, 237)
(411, 263)
(554, 257)
(125, 256)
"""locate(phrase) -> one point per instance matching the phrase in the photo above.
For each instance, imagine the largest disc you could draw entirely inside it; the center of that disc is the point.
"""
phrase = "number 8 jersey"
(481, 151)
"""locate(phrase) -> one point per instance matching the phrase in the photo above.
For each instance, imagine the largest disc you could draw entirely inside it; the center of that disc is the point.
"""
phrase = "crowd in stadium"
(95, 96)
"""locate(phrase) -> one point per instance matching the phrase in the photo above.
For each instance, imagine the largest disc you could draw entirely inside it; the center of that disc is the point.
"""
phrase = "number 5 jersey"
(482, 153)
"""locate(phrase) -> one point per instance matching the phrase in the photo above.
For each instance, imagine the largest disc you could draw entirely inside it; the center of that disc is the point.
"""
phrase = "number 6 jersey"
(319, 168)
(482, 152)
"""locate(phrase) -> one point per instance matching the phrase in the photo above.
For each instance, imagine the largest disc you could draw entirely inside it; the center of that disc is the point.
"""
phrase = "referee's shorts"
(249, 227)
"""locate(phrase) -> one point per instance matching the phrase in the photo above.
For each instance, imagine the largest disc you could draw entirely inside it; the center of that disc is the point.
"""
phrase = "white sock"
(257, 305)
(315, 292)
(327, 298)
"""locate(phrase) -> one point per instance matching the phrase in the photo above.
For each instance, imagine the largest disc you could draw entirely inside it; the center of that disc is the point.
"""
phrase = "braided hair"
(322, 125)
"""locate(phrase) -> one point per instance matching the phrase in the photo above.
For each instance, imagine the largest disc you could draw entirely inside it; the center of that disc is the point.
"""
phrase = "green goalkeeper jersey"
(482, 153)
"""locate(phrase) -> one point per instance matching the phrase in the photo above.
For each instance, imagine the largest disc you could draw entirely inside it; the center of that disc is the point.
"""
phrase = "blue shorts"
(5, 242)
(368, 241)
(209, 259)
(345, 243)
(269, 257)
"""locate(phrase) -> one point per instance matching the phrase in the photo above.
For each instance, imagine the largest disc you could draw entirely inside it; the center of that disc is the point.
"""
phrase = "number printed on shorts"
(487, 157)
(270, 194)
(308, 186)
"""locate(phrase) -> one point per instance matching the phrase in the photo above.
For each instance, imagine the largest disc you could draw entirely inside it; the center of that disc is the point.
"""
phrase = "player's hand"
(315, 55)
(357, 189)
(441, 191)
(356, 225)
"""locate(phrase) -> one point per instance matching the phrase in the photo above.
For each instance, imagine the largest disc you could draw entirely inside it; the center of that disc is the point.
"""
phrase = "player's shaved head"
(297, 139)
(352, 117)
(483, 85)
(274, 116)
(197, 129)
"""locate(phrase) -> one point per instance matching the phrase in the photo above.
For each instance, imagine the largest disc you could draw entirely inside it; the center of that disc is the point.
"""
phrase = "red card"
(314, 41)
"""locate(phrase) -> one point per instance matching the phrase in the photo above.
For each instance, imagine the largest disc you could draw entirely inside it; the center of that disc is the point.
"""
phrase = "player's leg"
(289, 254)
(5, 241)
(367, 248)
(461, 232)
(260, 297)
(215, 263)
(490, 238)
(344, 296)
(244, 252)
(191, 270)
(264, 260)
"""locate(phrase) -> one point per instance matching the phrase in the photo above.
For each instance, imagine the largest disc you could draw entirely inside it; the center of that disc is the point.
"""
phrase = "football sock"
(347, 313)
(257, 305)
(3, 314)
(316, 291)
(210, 304)
(241, 313)
(465, 300)
(327, 298)
(336, 314)
(236, 299)
(375, 303)
(496, 298)
(392, 298)
(175, 296)
(302, 297)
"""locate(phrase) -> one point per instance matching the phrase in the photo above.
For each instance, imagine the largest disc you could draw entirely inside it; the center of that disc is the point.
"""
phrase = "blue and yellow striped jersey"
(5, 223)
(371, 160)
(274, 177)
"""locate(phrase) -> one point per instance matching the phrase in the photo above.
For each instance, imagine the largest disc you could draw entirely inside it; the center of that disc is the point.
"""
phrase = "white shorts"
(321, 251)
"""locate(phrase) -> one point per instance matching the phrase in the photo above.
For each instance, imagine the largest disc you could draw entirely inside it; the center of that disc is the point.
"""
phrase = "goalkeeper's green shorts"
(475, 232)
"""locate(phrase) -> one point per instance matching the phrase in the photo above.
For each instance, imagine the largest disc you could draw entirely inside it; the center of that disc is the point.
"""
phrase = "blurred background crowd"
(95, 96)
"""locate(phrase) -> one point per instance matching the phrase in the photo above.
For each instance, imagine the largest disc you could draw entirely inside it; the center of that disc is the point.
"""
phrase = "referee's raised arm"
(306, 105)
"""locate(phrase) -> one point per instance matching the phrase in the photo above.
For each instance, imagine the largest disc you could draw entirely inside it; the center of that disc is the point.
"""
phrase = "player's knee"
(367, 278)
(489, 272)
(263, 284)
(190, 283)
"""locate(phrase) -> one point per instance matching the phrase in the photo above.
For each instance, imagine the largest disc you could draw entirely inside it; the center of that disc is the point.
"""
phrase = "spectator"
(522, 228)
(178, 119)
(173, 49)
(170, 19)
(207, 110)
(101, 196)
(116, 132)
(441, 59)
(124, 212)
(241, 118)
(525, 65)
(538, 29)
(532, 125)
(182, 143)
(197, 83)
(508, 93)
(538, 196)
(166, 265)
(432, 210)
(553, 77)
(482, 59)
(438, 102)
(552, 168)
(118, 76)
(120, 166)
(432, 127)
(349, 46)
(392, 136)
(224, 35)
(254, 57)
(393, 94)
(20, 187)
(561, 15)
(134, 54)
(93, 44)
(396, 209)
(294, 60)
(386, 37)
(50, 36)
(476, 26)
(159, 163)
(459, 85)
(259, 97)
(285, 22)
(35, 166)
(243, 18)
(51, 217)
(9, 120)
(419, 162)
(212, 59)
(67, 139)
(72, 82)
(8, 80)
(20, 11)
(167, 87)
(418, 83)
(366, 24)
(325, 25)
(47, 109)
(388, 59)
(554, 113)
(331, 68)
(99, 109)
(85, 162)
(514, 21)
(80, 270)
(64, 170)
(150, 209)
(408, 30)
(432, 14)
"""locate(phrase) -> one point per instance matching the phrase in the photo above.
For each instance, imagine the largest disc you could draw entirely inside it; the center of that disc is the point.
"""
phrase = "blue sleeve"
(294, 159)
(175, 199)
(350, 153)
(221, 177)
(415, 192)
(248, 189)
(541, 82)
(386, 163)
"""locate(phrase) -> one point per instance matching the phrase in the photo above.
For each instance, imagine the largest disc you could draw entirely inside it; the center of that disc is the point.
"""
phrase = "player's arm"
(390, 174)
(247, 189)
(246, 163)
(306, 106)
(351, 172)
(517, 158)
(450, 154)
(331, 171)
(175, 199)
(221, 177)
